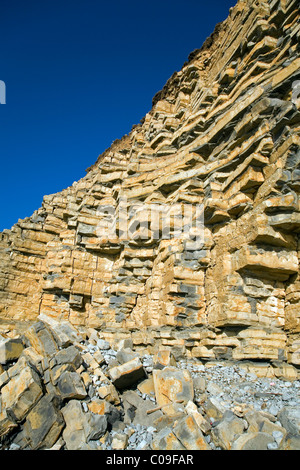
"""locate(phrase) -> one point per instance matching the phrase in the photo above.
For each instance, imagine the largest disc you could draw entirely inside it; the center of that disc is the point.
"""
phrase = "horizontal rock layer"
(221, 142)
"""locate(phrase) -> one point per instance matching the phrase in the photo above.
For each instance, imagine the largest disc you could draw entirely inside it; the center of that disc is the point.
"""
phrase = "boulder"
(252, 441)
(289, 417)
(104, 408)
(127, 374)
(227, 430)
(139, 410)
(290, 442)
(65, 333)
(44, 423)
(125, 355)
(81, 427)
(190, 435)
(163, 358)
(259, 422)
(40, 337)
(10, 349)
(70, 385)
(166, 440)
(69, 355)
(202, 423)
(21, 392)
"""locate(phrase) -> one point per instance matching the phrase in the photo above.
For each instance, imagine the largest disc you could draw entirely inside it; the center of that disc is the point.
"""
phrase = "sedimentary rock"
(184, 235)
(66, 401)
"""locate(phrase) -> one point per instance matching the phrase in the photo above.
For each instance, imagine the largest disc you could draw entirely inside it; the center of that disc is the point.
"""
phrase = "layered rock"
(222, 142)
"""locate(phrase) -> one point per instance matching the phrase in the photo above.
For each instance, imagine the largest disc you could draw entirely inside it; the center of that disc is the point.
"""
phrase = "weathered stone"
(172, 385)
(227, 430)
(6, 423)
(290, 442)
(65, 333)
(21, 393)
(81, 427)
(33, 359)
(290, 419)
(44, 423)
(109, 393)
(147, 386)
(119, 441)
(39, 337)
(214, 408)
(70, 385)
(190, 435)
(10, 350)
(104, 408)
(201, 422)
(126, 355)
(69, 355)
(166, 440)
(127, 374)
(221, 147)
(138, 409)
(257, 422)
(252, 441)
(163, 359)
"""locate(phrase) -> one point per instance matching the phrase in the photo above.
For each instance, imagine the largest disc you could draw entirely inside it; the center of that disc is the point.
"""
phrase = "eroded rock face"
(222, 137)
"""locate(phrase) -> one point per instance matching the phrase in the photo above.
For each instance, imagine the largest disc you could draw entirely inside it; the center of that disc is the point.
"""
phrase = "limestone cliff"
(223, 135)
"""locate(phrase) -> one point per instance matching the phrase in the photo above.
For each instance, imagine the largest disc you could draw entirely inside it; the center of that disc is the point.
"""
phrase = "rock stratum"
(222, 139)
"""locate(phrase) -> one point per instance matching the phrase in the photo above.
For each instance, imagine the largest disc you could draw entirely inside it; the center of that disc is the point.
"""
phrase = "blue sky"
(79, 74)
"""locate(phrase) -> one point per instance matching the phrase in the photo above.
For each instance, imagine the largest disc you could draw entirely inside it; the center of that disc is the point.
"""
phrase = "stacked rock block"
(223, 135)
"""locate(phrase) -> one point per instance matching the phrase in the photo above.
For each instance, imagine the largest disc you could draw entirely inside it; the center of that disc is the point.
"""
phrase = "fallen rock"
(172, 385)
(22, 391)
(69, 355)
(125, 355)
(290, 442)
(214, 408)
(65, 333)
(70, 385)
(127, 374)
(44, 423)
(163, 358)
(119, 441)
(140, 411)
(104, 408)
(147, 386)
(10, 349)
(203, 423)
(252, 441)
(190, 435)
(166, 440)
(289, 417)
(226, 431)
(81, 427)
(109, 393)
(258, 422)
(39, 336)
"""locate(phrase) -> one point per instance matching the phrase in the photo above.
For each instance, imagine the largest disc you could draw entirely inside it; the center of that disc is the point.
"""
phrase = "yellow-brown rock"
(222, 142)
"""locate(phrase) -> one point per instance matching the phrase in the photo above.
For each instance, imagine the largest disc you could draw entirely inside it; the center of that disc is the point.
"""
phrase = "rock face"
(221, 146)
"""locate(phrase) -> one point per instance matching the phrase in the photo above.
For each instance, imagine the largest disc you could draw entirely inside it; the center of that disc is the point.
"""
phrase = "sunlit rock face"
(185, 233)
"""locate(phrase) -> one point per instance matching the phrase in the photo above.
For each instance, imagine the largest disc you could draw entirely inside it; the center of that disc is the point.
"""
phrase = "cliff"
(220, 146)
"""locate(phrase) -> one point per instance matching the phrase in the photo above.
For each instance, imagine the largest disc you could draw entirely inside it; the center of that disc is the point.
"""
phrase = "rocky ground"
(65, 389)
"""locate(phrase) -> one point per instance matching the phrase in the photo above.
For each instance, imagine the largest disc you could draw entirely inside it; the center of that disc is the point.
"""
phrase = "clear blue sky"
(79, 74)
